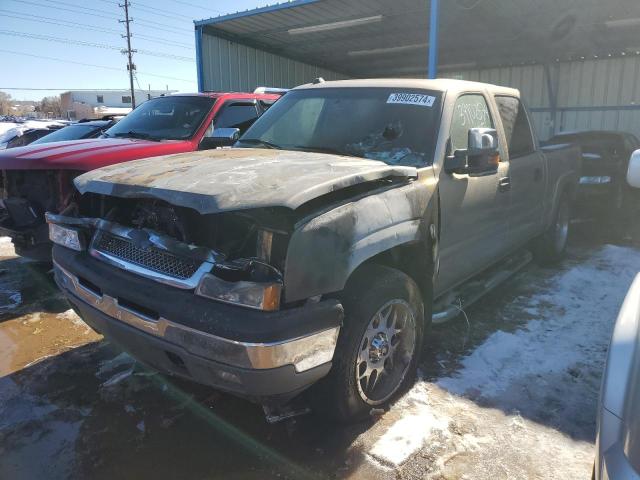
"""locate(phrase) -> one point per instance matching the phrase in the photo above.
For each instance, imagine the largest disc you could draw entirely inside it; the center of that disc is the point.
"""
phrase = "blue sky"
(160, 27)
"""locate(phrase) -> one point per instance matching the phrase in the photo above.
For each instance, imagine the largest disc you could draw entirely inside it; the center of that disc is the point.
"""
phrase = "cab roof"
(440, 84)
(231, 94)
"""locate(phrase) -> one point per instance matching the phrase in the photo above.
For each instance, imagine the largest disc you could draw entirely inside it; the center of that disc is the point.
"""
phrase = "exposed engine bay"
(249, 245)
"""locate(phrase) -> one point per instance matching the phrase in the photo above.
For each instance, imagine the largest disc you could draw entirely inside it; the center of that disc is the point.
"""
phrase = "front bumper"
(250, 353)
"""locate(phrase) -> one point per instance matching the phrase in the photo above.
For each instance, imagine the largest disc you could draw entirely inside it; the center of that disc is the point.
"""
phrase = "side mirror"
(633, 172)
(482, 141)
(480, 158)
(220, 137)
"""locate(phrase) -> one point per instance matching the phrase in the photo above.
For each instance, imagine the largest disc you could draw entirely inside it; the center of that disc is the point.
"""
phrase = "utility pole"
(129, 52)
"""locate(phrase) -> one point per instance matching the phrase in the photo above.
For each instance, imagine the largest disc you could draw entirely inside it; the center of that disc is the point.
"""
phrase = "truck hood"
(86, 154)
(239, 178)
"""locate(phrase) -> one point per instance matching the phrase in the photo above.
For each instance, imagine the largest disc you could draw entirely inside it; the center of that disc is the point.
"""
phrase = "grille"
(150, 258)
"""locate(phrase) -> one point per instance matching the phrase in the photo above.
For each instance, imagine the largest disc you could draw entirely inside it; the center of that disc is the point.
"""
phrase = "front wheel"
(379, 346)
(550, 246)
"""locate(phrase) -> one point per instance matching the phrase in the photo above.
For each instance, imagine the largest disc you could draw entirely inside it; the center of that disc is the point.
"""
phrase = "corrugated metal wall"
(229, 66)
(597, 94)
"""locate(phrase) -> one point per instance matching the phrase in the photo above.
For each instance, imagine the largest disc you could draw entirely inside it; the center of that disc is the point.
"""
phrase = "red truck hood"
(87, 154)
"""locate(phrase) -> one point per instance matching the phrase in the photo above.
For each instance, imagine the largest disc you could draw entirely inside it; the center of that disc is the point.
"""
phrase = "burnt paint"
(238, 178)
(325, 249)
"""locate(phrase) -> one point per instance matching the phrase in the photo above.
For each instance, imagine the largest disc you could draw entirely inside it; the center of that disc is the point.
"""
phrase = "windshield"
(396, 126)
(72, 132)
(164, 118)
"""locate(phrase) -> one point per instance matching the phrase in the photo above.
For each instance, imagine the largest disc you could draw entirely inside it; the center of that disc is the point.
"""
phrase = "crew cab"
(348, 218)
(38, 178)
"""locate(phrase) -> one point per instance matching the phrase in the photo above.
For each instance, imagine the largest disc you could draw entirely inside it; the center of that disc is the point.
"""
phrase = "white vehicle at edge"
(633, 171)
(618, 439)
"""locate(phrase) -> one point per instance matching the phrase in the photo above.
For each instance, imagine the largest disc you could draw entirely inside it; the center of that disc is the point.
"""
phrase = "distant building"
(77, 105)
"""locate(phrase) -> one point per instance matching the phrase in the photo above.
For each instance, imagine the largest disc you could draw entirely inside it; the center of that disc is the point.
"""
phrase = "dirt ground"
(507, 391)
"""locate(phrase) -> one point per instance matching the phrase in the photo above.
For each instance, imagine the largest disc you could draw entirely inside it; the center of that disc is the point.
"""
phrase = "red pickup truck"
(39, 178)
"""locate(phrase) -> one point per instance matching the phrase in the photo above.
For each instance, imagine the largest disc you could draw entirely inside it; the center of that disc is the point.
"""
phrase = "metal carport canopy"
(374, 38)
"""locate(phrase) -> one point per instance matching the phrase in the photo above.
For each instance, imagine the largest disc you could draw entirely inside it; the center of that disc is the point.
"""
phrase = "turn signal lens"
(65, 236)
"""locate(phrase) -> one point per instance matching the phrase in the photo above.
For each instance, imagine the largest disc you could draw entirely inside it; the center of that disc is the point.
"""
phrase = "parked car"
(38, 178)
(618, 437)
(605, 157)
(77, 131)
(19, 136)
(311, 252)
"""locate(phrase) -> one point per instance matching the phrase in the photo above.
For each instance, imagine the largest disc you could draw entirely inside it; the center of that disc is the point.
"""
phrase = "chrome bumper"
(303, 353)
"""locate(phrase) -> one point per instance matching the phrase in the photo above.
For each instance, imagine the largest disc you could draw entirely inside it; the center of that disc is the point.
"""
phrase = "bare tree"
(51, 107)
(5, 104)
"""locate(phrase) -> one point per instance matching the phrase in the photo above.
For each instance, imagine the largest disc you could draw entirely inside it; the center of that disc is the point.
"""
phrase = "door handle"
(537, 175)
(504, 185)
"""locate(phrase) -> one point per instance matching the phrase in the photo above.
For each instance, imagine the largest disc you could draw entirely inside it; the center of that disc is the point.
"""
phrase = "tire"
(374, 290)
(550, 247)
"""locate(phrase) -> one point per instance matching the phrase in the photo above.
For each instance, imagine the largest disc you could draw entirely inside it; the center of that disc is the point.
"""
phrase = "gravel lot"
(510, 391)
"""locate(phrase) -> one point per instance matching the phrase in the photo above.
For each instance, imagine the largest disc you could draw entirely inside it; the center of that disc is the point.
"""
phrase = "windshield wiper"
(134, 134)
(257, 141)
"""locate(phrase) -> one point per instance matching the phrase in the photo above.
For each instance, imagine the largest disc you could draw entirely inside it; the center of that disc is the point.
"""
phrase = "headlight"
(594, 180)
(261, 296)
(67, 237)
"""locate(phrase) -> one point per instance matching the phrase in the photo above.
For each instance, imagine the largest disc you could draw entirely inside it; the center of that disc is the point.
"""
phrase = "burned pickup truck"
(348, 218)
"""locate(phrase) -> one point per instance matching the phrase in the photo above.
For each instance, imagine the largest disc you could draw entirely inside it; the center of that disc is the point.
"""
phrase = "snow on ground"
(522, 405)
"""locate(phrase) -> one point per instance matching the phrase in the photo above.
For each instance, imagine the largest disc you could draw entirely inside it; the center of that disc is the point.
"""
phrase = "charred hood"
(237, 179)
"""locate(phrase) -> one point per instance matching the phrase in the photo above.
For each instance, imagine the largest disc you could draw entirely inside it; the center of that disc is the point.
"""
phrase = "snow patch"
(410, 433)
(406, 436)
(575, 315)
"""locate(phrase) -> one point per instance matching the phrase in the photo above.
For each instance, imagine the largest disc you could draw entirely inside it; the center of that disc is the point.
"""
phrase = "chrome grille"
(151, 258)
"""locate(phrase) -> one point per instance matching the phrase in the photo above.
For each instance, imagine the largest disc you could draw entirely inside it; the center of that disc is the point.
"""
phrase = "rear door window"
(517, 128)
(237, 115)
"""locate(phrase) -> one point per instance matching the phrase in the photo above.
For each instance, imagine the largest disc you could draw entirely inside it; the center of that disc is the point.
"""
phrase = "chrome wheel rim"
(562, 226)
(385, 352)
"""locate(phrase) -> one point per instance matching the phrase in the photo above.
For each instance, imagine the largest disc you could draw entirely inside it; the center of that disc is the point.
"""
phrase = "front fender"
(324, 250)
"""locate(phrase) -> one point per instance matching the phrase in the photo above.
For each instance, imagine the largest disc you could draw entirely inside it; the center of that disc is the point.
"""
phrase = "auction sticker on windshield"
(412, 99)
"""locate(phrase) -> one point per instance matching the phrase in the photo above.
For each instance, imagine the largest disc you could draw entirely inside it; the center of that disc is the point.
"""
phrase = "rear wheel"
(379, 345)
(550, 247)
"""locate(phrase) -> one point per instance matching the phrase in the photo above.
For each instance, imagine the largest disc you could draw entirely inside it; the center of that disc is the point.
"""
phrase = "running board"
(471, 291)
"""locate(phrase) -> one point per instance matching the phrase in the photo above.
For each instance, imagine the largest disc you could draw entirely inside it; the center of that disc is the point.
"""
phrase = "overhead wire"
(70, 41)
(94, 28)
(13, 52)
(77, 10)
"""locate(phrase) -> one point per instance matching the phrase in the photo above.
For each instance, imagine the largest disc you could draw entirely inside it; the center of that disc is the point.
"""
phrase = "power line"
(70, 41)
(59, 2)
(58, 8)
(82, 26)
(55, 89)
(89, 9)
(198, 6)
(89, 65)
(156, 11)
(144, 23)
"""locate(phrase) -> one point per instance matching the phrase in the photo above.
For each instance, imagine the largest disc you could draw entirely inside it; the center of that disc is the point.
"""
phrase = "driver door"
(474, 209)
